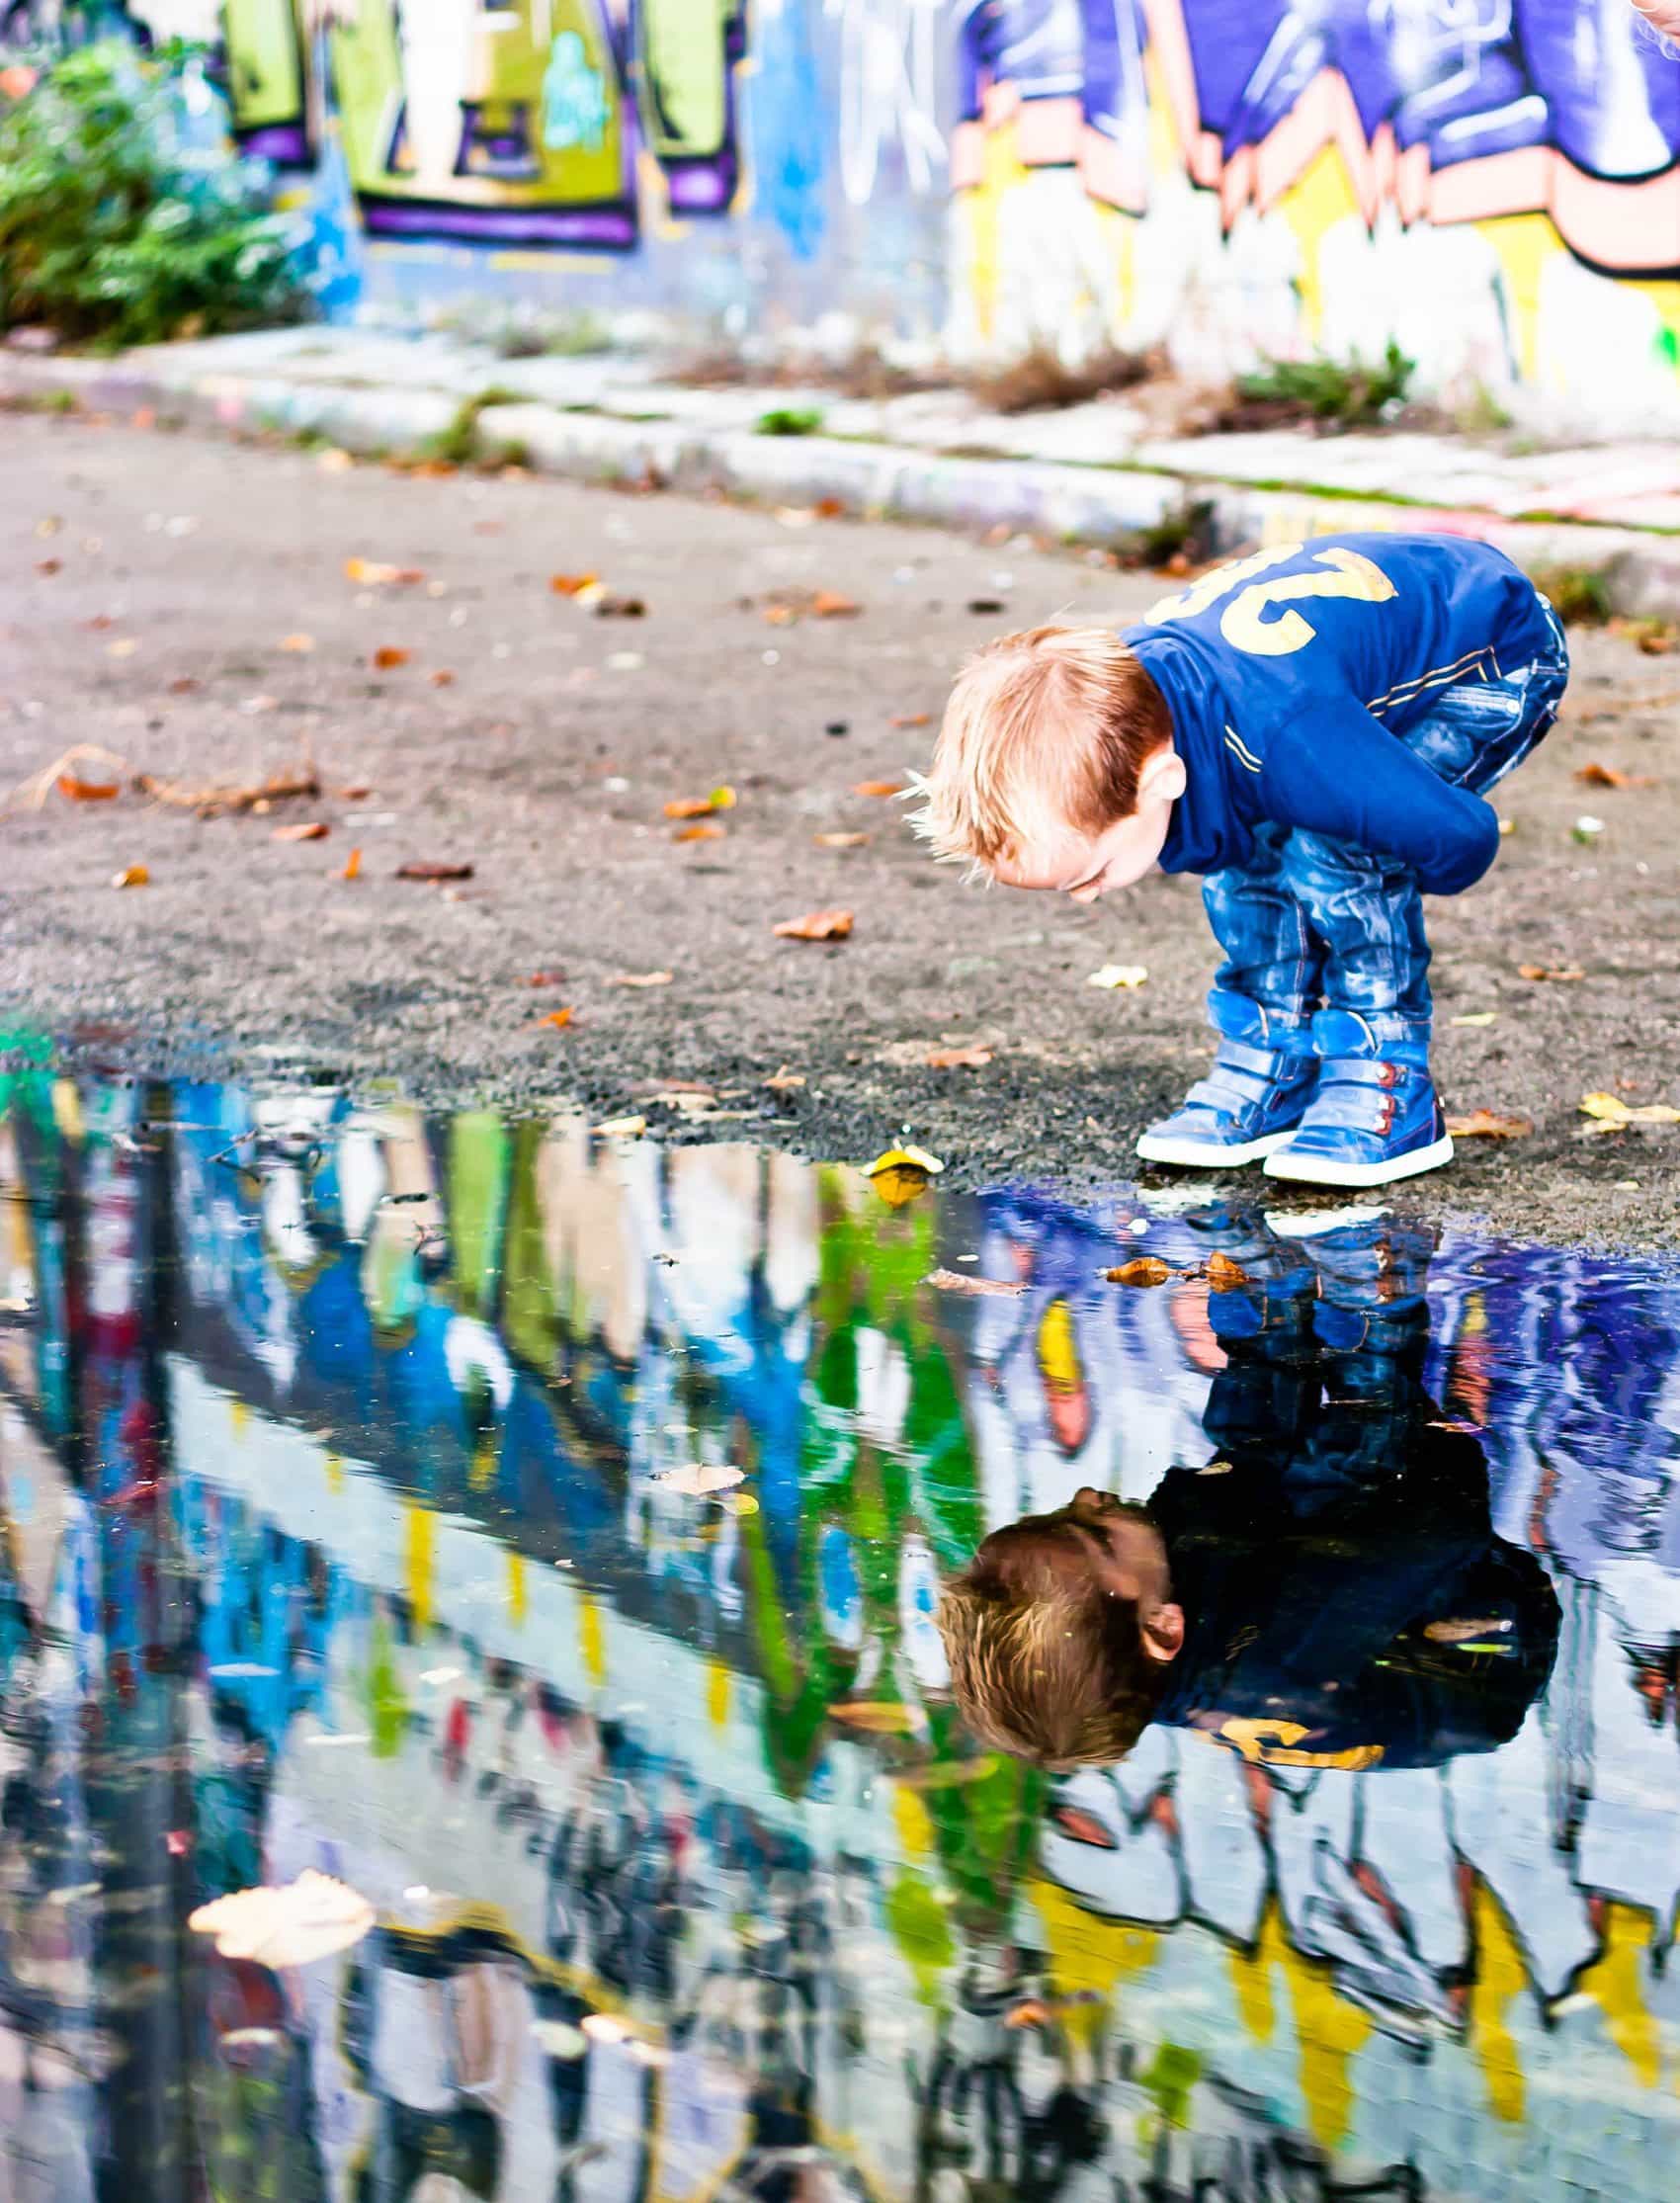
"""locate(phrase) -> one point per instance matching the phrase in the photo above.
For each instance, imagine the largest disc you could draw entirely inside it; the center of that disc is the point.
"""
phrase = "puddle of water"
(331, 1444)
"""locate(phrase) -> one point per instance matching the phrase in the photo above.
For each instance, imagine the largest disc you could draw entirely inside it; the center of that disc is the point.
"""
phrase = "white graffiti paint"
(889, 91)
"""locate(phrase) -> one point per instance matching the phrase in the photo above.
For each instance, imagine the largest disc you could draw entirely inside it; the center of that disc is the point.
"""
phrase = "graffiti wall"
(1494, 183)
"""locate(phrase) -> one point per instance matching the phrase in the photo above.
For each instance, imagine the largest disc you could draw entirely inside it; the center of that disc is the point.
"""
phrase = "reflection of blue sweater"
(1289, 674)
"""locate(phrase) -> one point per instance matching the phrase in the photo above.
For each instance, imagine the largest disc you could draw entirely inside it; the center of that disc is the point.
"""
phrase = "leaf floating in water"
(290, 1925)
(1225, 1275)
(873, 1717)
(698, 1479)
(959, 1280)
(904, 1159)
(622, 1128)
(1464, 1632)
(1490, 1124)
(1141, 1270)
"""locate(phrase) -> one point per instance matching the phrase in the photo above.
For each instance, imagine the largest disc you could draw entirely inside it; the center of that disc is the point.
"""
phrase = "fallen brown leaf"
(1221, 1273)
(785, 1081)
(697, 1478)
(388, 657)
(87, 790)
(1464, 1632)
(1539, 972)
(904, 1159)
(830, 508)
(1601, 776)
(1141, 1270)
(957, 1059)
(840, 841)
(441, 678)
(959, 1281)
(611, 607)
(40, 786)
(1613, 1112)
(570, 585)
(698, 833)
(779, 615)
(829, 603)
(985, 604)
(557, 1018)
(620, 1127)
(876, 1718)
(815, 925)
(213, 800)
(131, 876)
(314, 829)
(374, 573)
(298, 644)
(546, 978)
(309, 1918)
(881, 787)
(689, 807)
(184, 685)
(352, 865)
(1490, 1124)
(640, 978)
(419, 869)
(49, 566)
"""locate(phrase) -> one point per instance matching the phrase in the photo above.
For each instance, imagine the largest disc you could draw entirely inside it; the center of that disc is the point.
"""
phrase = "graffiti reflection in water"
(334, 1445)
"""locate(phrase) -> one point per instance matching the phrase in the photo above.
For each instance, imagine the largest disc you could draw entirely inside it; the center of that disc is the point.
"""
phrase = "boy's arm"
(1346, 775)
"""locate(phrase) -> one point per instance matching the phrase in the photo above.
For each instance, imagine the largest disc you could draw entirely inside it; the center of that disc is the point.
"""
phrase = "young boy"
(1329, 1591)
(1313, 729)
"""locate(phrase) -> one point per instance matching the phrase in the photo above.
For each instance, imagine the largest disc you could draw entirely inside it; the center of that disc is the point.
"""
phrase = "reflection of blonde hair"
(1042, 1664)
(1044, 729)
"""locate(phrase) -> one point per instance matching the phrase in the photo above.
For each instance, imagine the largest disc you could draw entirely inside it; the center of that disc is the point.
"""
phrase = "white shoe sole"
(1207, 1154)
(1322, 1170)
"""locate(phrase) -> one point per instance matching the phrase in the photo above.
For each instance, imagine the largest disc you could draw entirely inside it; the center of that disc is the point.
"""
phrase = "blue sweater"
(1289, 674)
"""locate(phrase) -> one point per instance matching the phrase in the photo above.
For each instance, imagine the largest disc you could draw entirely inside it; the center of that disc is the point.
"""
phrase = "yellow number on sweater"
(1244, 625)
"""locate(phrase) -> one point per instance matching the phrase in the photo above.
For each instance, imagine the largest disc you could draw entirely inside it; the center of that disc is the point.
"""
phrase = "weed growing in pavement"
(1182, 537)
(1327, 393)
(791, 420)
(458, 443)
(1041, 381)
(116, 228)
(1579, 596)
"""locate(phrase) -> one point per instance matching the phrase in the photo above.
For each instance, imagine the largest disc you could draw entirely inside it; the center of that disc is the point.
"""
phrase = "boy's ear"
(1163, 776)
(1163, 1633)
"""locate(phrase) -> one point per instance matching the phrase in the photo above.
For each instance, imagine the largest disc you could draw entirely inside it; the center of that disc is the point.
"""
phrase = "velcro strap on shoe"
(1240, 1077)
(1359, 1071)
(1356, 1094)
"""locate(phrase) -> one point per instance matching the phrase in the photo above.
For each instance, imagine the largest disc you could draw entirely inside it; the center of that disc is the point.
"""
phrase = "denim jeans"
(1313, 923)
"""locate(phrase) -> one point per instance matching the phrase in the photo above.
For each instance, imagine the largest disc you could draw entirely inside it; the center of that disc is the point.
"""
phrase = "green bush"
(117, 228)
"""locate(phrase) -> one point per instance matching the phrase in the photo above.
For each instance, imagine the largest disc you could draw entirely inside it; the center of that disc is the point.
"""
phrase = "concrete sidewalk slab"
(1091, 474)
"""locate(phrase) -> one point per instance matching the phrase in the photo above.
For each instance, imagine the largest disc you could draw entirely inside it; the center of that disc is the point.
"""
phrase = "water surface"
(332, 1441)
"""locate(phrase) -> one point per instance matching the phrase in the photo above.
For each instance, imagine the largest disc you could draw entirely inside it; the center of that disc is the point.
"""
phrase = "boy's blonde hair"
(1045, 728)
(1043, 1667)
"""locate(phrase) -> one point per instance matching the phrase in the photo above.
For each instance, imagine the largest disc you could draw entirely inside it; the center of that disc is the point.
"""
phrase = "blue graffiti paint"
(790, 121)
(574, 99)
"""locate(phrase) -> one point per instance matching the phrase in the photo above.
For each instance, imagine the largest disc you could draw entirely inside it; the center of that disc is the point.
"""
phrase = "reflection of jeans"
(1309, 920)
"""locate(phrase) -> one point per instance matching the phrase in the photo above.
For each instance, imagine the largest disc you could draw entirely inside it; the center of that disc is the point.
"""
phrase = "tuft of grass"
(1579, 595)
(456, 445)
(1041, 381)
(1326, 394)
(791, 420)
(1182, 538)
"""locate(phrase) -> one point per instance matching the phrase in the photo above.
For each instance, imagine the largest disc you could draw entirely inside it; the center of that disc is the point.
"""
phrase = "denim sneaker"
(1250, 1102)
(1373, 1118)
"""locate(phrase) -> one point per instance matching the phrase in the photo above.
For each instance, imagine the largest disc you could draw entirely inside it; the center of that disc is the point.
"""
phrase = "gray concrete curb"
(1097, 505)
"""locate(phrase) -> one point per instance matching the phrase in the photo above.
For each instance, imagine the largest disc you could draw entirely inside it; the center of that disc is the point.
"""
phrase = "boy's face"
(1096, 1538)
(1086, 866)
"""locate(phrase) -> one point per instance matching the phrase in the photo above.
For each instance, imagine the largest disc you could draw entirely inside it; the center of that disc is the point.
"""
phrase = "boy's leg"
(1261, 1006)
(1375, 1115)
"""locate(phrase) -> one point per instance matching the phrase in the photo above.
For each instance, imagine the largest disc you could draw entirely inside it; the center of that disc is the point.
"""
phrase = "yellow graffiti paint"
(1251, 1978)
(1059, 1348)
(1501, 1976)
(1331, 2033)
(238, 1420)
(591, 1638)
(1003, 172)
(516, 1588)
(419, 1561)
(716, 1693)
(1524, 244)
(913, 1822)
(334, 1468)
(1089, 1956)
(1319, 197)
(1613, 1982)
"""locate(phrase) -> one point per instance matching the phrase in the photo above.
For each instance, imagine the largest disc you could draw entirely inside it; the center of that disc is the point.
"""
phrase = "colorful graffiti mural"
(1496, 183)
(331, 1445)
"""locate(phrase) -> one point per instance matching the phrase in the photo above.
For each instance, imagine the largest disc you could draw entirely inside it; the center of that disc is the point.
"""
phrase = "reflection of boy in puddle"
(1328, 1592)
